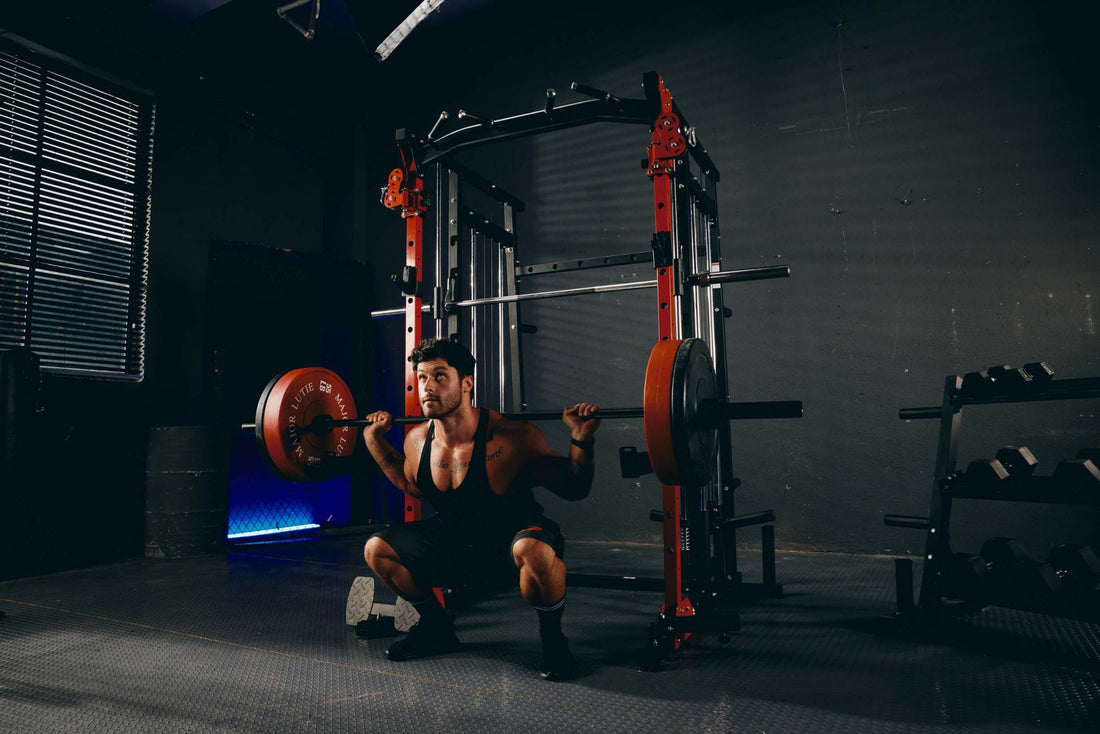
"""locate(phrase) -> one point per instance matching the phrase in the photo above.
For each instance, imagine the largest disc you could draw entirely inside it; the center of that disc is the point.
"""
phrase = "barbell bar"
(700, 279)
(305, 417)
(713, 409)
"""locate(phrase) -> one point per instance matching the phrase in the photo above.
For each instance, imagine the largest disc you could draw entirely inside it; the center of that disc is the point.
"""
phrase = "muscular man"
(477, 469)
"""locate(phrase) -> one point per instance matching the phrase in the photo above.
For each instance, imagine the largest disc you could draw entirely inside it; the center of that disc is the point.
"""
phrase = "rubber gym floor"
(255, 641)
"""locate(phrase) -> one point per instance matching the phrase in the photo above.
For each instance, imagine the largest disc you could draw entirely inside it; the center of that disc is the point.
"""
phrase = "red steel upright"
(666, 147)
(406, 192)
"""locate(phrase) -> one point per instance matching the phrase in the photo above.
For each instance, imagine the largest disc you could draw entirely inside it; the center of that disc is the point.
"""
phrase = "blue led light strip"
(272, 531)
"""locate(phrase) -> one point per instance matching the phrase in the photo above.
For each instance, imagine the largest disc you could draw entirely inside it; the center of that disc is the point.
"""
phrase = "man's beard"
(444, 406)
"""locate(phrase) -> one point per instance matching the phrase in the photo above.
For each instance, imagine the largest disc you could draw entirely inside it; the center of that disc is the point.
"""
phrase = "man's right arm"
(391, 461)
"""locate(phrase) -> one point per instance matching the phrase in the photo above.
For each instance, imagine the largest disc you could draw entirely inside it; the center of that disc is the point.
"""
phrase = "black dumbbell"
(1002, 550)
(1007, 378)
(374, 627)
(1079, 478)
(1092, 453)
(978, 383)
(1012, 463)
(1039, 372)
(1077, 566)
(1016, 577)
(1004, 378)
(986, 474)
(1018, 460)
(998, 379)
(967, 577)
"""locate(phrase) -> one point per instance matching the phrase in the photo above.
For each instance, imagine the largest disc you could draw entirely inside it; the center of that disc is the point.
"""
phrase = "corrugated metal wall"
(929, 171)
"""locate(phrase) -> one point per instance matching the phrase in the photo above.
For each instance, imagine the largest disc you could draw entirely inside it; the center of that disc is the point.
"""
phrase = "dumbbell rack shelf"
(949, 484)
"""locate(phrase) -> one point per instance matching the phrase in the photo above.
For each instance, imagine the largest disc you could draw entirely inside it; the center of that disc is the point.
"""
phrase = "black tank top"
(473, 501)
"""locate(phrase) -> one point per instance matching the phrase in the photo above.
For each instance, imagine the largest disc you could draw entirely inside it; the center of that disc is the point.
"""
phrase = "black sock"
(550, 620)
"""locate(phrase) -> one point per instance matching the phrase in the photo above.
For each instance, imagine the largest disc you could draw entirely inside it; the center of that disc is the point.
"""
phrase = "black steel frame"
(948, 485)
(702, 582)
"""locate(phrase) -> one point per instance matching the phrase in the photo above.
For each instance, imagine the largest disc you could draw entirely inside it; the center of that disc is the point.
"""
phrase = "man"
(477, 469)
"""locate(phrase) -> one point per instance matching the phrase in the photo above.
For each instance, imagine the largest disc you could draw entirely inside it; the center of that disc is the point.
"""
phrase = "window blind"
(75, 167)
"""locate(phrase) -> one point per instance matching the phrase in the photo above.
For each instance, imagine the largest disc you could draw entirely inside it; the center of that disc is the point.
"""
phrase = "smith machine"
(702, 583)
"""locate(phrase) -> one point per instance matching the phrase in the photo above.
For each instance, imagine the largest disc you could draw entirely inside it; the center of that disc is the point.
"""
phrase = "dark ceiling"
(119, 34)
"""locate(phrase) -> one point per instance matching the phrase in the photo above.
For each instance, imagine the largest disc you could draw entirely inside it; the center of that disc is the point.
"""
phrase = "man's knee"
(533, 554)
(378, 553)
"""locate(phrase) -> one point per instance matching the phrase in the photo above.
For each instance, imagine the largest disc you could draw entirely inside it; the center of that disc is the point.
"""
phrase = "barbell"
(306, 420)
(699, 279)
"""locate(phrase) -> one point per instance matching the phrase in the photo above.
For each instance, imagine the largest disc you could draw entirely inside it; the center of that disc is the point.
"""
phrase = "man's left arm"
(569, 477)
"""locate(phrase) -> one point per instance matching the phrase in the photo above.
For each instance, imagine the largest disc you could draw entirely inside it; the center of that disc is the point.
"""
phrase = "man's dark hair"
(453, 353)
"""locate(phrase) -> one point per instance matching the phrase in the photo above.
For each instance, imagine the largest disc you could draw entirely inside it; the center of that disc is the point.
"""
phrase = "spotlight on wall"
(422, 11)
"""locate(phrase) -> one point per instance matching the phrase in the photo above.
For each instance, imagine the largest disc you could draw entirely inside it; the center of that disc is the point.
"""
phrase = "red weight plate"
(292, 402)
(657, 406)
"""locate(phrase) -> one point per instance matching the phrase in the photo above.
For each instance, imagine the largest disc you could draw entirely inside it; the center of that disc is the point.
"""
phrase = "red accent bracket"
(668, 143)
(411, 201)
(683, 609)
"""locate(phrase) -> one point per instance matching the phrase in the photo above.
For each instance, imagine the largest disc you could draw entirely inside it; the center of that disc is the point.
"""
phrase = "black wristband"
(583, 444)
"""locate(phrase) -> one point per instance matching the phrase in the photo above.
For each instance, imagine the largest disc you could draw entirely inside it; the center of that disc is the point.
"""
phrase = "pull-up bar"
(603, 107)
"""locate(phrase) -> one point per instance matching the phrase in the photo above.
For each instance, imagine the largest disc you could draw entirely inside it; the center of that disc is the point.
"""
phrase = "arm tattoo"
(393, 458)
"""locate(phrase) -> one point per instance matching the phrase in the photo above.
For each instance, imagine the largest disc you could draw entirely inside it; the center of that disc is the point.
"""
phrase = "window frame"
(116, 265)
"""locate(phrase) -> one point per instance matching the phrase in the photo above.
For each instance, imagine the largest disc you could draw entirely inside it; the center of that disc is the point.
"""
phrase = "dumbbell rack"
(949, 485)
(701, 578)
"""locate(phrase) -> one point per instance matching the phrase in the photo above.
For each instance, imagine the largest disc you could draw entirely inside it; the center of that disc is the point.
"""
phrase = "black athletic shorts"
(446, 554)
